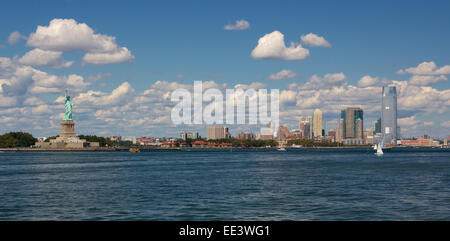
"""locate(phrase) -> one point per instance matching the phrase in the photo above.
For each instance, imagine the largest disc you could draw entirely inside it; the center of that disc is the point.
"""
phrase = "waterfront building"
(217, 132)
(317, 124)
(145, 141)
(389, 114)
(377, 126)
(351, 126)
(424, 141)
(283, 133)
(246, 136)
(305, 126)
(341, 128)
(265, 134)
(368, 136)
(193, 135)
(183, 135)
(115, 138)
(332, 125)
(188, 135)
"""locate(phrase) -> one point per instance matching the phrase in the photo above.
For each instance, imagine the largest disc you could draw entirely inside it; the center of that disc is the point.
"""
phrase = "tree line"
(17, 139)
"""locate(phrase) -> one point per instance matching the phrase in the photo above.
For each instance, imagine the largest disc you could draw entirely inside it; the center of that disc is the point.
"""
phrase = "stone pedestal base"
(67, 129)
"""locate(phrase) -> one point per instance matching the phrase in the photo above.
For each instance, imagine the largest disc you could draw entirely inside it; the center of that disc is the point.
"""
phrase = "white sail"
(379, 150)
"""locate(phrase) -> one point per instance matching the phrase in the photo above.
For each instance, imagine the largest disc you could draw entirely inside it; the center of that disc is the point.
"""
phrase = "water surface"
(314, 184)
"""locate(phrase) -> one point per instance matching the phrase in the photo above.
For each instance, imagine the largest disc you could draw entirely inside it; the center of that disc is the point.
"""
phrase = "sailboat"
(379, 151)
(281, 148)
(380, 147)
(375, 146)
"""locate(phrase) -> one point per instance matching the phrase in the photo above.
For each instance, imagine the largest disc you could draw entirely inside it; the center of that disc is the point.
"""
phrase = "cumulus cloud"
(15, 37)
(313, 40)
(96, 98)
(97, 77)
(426, 68)
(446, 124)
(67, 35)
(408, 121)
(288, 97)
(272, 46)
(368, 81)
(426, 79)
(44, 58)
(283, 75)
(119, 56)
(239, 25)
(428, 123)
(327, 81)
(19, 81)
(253, 85)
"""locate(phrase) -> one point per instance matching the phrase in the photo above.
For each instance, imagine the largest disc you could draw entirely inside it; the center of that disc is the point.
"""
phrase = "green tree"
(17, 139)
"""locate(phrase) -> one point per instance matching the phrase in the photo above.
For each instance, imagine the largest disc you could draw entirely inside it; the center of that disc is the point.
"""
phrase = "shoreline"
(114, 149)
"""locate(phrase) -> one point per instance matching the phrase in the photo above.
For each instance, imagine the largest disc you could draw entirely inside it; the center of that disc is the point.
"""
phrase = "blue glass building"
(389, 114)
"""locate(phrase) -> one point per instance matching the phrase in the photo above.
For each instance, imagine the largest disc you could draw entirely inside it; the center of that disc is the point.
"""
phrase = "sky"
(121, 60)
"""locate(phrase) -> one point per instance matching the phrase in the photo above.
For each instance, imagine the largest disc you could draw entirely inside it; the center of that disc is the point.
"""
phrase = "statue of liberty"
(68, 106)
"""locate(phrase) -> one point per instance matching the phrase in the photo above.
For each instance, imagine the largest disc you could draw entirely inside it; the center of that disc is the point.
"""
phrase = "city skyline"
(132, 63)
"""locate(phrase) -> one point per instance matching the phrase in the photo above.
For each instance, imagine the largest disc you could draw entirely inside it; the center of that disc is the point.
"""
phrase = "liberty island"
(67, 138)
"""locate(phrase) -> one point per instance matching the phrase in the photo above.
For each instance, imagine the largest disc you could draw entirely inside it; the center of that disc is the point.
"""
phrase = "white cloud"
(313, 40)
(426, 79)
(408, 121)
(119, 56)
(428, 123)
(368, 81)
(253, 85)
(446, 124)
(19, 81)
(283, 75)
(426, 68)
(67, 35)
(327, 81)
(15, 37)
(288, 97)
(239, 25)
(44, 58)
(96, 98)
(271, 46)
(97, 77)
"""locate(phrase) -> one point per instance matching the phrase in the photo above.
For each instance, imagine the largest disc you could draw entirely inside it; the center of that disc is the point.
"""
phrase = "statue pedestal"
(67, 129)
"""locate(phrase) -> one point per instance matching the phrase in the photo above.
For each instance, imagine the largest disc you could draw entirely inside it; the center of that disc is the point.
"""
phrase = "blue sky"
(170, 38)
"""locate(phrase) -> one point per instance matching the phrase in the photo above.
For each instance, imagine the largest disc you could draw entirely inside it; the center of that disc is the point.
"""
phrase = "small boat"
(135, 149)
(380, 148)
(281, 149)
(379, 151)
(296, 146)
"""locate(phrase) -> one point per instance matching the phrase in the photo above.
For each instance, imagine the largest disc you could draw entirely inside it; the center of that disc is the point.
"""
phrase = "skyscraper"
(305, 126)
(377, 126)
(217, 132)
(351, 124)
(317, 125)
(352, 115)
(389, 114)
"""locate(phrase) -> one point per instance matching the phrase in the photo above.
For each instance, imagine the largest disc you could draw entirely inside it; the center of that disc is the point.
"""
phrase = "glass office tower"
(389, 114)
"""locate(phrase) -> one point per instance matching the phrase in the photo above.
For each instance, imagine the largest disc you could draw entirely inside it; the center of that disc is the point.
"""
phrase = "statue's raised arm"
(68, 106)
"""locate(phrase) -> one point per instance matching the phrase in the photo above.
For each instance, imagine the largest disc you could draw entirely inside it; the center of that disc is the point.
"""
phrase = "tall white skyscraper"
(317, 125)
